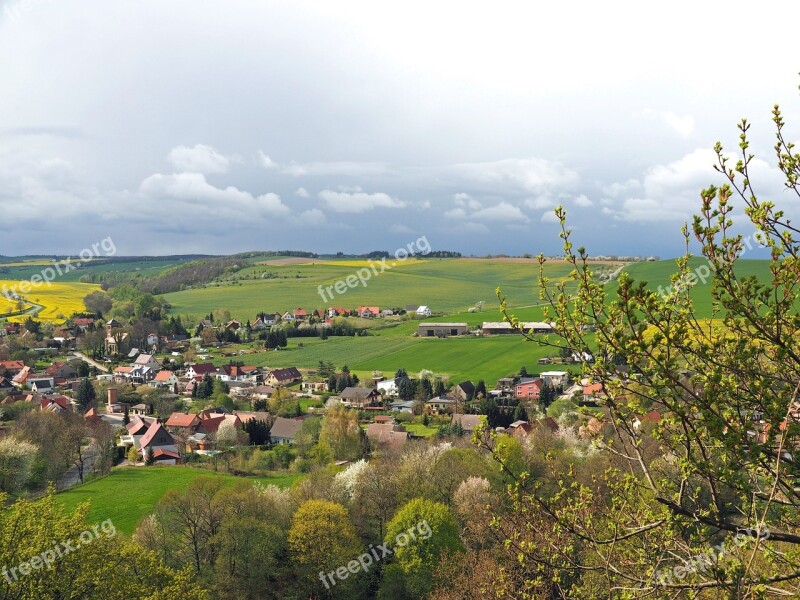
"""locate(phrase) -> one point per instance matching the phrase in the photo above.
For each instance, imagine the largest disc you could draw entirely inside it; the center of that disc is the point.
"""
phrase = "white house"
(423, 311)
(555, 378)
(164, 379)
(387, 388)
(146, 360)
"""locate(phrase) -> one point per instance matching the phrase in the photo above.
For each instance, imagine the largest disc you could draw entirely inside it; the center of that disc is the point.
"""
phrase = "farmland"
(143, 489)
(59, 299)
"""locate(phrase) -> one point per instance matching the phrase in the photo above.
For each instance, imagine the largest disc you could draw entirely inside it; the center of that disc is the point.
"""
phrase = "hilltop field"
(457, 290)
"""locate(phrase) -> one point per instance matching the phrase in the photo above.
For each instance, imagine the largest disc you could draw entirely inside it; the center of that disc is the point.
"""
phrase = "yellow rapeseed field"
(60, 300)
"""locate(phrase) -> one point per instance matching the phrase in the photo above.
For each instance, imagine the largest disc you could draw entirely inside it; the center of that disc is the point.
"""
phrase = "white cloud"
(583, 201)
(265, 161)
(683, 126)
(301, 192)
(335, 168)
(400, 229)
(312, 217)
(500, 212)
(357, 202)
(455, 213)
(465, 200)
(539, 203)
(197, 195)
(198, 159)
(532, 175)
(549, 217)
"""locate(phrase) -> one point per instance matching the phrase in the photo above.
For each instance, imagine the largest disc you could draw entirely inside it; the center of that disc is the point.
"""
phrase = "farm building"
(497, 328)
(442, 329)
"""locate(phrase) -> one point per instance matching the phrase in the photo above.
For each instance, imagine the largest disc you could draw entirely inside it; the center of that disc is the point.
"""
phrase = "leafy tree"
(321, 540)
(547, 395)
(83, 369)
(259, 432)
(86, 395)
(16, 464)
(724, 378)
(421, 532)
(111, 566)
(342, 433)
(260, 405)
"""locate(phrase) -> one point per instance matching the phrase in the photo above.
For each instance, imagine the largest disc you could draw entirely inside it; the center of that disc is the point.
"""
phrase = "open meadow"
(130, 493)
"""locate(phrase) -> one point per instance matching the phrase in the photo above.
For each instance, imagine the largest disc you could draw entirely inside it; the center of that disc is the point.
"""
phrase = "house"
(288, 317)
(139, 409)
(360, 397)
(54, 403)
(465, 391)
(519, 429)
(135, 430)
(41, 384)
(528, 388)
(547, 423)
(338, 311)
(283, 430)
(300, 314)
(442, 329)
(286, 376)
(236, 373)
(410, 308)
(200, 369)
(61, 370)
(83, 323)
(183, 422)
(91, 417)
(368, 312)
(404, 406)
(386, 435)
(112, 324)
(314, 386)
(11, 366)
(20, 380)
(264, 321)
(210, 422)
(555, 378)
(164, 378)
(122, 374)
(146, 360)
(440, 405)
(245, 416)
(423, 311)
(5, 383)
(262, 392)
(468, 422)
(591, 393)
(11, 328)
(233, 325)
(141, 374)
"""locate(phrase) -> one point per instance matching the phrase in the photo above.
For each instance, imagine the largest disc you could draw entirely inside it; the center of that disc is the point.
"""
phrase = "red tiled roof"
(163, 376)
(182, 420)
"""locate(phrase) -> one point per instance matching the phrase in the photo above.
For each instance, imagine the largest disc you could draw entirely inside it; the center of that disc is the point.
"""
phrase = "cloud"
(583, 201)
(455, 213)
(200, 197)
(503, 212)
(683, 126)
(532, 175)
(265, 161)
(465, 200)
(549, 217)
(539, 203)
(335, 168)
(312, 217)
(302, 192)
(198, 159)
(400, 229)
(357, 202)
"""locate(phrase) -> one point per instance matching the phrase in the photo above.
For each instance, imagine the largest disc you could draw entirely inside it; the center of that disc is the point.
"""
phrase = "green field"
(130, 493)
(446, 285)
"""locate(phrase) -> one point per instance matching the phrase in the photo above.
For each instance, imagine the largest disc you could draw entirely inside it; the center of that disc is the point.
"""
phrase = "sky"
(190, 126)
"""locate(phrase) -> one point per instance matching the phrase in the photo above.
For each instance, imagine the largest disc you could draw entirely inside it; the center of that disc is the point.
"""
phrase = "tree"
(438, 389)
(111, 566)
(520, 414)
(406, 388)
(98, 303)
(321, 540)
(132, 456)
(86, 395)
(16, 464)
(523, 372)
(83, 369)
(126, 416)
(421, 532)
(547, 395)
(400, 374)
(149, 459)
(714, 469)
(480, 389)
(342, 433)
(258, 431)
(227, 435)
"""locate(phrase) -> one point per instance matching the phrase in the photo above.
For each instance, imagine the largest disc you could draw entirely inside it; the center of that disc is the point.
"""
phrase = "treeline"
(191, 273)
(293, 253)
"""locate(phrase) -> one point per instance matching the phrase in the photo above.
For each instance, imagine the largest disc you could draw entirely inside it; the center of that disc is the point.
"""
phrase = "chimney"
(112, 398)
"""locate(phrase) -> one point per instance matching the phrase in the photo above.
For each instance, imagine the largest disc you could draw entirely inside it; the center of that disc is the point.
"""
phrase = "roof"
(468, 422)
(143, 359)
(441, 400)
(285, 428)
(550, 423)
(426, 324)
(246, 415)
(507, 326)
(372, 309)
(182, 420)
(163, 376)
(211, 424)
(529, 380)
(138, 423)
(12, 365)
(357, 393)
(151, 432)
(123, 369)
(203, 368)
(299, 312)
(593, 389)
(387, 434)
(159, 452)
(286, 374)
(467, 386)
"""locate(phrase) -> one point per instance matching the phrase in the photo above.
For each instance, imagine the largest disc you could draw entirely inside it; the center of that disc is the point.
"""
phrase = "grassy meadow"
(130, 493)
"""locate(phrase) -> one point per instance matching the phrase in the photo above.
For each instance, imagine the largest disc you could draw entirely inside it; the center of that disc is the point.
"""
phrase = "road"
(94, 363)
(71, 477)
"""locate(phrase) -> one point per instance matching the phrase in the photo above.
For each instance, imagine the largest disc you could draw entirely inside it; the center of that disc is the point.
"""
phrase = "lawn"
(421, 430)
(130, 493)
